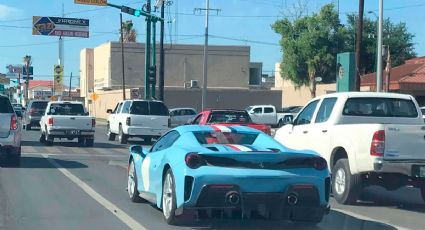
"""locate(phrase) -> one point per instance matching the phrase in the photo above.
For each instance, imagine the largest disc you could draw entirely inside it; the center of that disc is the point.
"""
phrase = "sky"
(239, 22)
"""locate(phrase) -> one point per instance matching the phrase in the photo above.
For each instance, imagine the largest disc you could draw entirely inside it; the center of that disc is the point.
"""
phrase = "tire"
(122, 138)
(42, 138)
(280, 124)
(133, 193)
(168, 203)
(14, 159)
(345, 186)
(423, 193)
(28, 127)
(89, 142)
(81, 141)
(48, 141)
(111, 136)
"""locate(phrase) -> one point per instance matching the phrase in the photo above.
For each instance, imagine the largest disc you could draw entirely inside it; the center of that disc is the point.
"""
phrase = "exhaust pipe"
(292, 199)
(233, 198)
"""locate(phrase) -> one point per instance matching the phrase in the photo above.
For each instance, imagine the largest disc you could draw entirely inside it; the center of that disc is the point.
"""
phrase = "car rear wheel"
(345, 186)
(132, 183)
(89, 142)
(48, 140)
(122, 137)
(111, 136)
(423, 193)
(42, 138)
(169, 198)
(81, 141)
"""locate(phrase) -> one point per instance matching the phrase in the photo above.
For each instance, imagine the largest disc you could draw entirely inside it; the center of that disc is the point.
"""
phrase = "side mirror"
(137, 149)
(109, 111)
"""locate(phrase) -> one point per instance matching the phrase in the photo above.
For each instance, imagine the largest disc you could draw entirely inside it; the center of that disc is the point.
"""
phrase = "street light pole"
(161, 56)
(205, 69)
(122, 58)
(379, 49)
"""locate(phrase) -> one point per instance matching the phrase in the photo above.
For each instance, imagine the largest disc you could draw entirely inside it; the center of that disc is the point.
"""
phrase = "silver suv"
(10, 133)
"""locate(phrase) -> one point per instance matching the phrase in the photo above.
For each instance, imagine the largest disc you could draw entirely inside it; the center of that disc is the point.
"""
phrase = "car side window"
(126, 107)
(166, 141)
(197, 119)
(258, 110)
(268, 110)
(307, 114)
(173, 113)
(325, 109)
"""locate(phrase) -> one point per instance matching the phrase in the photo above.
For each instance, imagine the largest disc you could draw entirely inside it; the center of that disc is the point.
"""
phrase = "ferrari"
(235, 170)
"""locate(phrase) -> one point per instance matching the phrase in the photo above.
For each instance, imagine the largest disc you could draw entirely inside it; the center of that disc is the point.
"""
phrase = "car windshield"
(228, 117)
(225, 138)
(158, 109)
(380, 107)
(66, 109)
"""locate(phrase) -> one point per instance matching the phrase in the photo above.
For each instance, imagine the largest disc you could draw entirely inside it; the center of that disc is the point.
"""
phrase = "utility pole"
(379, 49)
(19, 88)
(205, 67)
(70, 84)
(147, 51)
(359, 44)
(122, 58)
(161, 55)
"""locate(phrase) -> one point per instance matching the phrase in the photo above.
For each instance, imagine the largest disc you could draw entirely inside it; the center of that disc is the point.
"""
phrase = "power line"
(245, 40)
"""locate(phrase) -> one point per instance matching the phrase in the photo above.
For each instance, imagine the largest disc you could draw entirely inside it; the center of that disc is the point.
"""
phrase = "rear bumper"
(34, 120)
(11, 143)
(136, 131)
(411, 168)
(67, 133)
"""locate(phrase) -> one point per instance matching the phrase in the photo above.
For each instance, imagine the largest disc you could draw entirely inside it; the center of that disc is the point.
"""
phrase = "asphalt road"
(70, 187)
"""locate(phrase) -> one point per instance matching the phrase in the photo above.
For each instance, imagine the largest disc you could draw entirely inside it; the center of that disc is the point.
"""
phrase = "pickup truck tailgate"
(404, 142)
(72, 122)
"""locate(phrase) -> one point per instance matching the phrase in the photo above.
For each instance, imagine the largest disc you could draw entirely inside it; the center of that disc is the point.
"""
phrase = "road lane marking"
(120, 214)
(361, 217)
(29, 149)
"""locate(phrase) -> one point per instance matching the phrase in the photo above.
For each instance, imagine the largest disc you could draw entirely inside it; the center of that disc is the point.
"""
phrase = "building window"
(254, 76)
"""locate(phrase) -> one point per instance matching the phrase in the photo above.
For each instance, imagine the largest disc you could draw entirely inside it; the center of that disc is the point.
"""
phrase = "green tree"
(129, 33)
(309, 45)
(395, 36)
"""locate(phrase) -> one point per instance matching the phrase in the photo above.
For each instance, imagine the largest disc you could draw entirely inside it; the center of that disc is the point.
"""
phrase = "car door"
(319, 131)
(153, 163)
(256, 115)
(113, 121)
(297, 135)
(269, 115)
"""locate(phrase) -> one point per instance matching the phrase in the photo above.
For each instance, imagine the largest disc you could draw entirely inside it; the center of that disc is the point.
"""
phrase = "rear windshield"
(66, 109)
(143, 108)
(158, 108)
(380, 107)
(228, 117)
(5, 106)
(225, 138)
(41, 105)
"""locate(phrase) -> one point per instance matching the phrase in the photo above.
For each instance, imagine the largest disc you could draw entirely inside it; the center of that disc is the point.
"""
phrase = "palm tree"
(129, 33)
(27, 62)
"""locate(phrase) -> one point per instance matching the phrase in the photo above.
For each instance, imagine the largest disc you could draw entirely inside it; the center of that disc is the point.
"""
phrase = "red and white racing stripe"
(240, 148)
(221, 128)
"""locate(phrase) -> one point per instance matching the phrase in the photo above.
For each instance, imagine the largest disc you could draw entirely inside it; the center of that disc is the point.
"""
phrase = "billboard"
(66, 27)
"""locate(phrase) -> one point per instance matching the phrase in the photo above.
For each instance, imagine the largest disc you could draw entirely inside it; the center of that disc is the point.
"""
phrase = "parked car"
(181, 116)
(10, 133)
(33, 113)
(146, 119)
(367, 138)
(65, 119)
(205, 167)
(228, 117)
(423, 113)
(267, 114)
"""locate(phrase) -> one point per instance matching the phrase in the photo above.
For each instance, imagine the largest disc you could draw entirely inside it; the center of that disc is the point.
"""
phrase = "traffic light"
(129, 10)
(152, 74)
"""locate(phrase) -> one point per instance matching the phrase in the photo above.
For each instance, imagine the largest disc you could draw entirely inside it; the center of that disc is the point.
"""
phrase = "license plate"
(73, 132)
(422, 171)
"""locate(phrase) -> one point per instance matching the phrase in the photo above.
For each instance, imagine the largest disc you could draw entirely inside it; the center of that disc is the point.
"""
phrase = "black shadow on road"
(41, 162)
(72, 144)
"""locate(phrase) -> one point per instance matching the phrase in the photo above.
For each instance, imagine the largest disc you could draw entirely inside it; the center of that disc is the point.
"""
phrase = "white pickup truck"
(268, 114)
(64, 119)
(367, 139)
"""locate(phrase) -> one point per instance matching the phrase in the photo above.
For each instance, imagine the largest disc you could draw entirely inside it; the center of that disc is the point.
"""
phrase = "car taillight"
(93, 122)
(169, 122)
(13, 122)
(268, 130)
(319, 163)
(50, 121)
(194, 160)
(377, 146)
(128, 121)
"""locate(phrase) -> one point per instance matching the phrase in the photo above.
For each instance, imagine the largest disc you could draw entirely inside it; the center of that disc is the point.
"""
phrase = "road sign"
(24, 70)
(92, 2)
(14, 68)
(58, 78)
(54, 26)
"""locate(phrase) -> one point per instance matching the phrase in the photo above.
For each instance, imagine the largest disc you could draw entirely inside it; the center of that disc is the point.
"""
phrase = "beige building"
(293, 95)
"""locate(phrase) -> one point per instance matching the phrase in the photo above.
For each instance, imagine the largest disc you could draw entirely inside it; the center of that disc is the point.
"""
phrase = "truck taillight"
(128, 121)
(93, 122)
(377, 146)
(50, 121)
(13, 122)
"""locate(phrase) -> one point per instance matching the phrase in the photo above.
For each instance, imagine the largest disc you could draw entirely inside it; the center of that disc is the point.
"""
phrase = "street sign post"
(64, 27)
(24, 70)
(92, 2)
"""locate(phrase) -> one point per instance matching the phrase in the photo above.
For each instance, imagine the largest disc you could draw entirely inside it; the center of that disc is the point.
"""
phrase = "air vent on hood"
(213, 149)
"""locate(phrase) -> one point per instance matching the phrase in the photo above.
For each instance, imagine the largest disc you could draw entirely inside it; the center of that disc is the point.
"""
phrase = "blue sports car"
(235, 170)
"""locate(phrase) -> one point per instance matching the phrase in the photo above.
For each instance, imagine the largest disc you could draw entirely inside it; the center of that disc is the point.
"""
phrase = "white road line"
(120, 214)
(361, 217)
